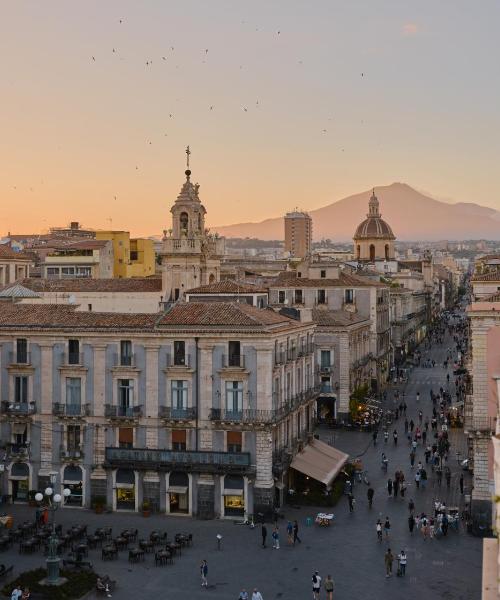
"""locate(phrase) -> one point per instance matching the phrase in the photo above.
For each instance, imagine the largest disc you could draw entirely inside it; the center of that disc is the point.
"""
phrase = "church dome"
(374, 227)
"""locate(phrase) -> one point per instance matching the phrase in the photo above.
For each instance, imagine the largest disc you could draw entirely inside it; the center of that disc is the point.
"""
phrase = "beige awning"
(177, 489)
(320, 461)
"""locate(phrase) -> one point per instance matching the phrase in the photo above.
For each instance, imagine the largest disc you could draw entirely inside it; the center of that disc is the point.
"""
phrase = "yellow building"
(132, 257)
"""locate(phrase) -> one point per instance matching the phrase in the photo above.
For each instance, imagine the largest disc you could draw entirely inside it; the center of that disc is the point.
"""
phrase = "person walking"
(243, 595)
(296, 532)
(375, 436)
(389, 486)
(395, 437)
(289, 533)
(411, 506)
(386, 436)
(417, 479)
(276, 538)
(412, 459)
(387, 528)
(204, 573)
(256, 595)
(388, 559)
(411, 522)
(423, 478)
(350, 499)
(263, 531)
(395, 487)
(369, 494)
(402, 563)
(412, 425)
(447, 474)
(329, 585)
(406, 425)
(316, 585)
(461, 483)
(379, 530)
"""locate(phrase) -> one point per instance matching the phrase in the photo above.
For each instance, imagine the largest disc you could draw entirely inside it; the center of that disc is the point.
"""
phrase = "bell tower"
(190, 254)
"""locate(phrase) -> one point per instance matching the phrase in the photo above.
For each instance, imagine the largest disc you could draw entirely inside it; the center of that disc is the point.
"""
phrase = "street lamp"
(53, 502)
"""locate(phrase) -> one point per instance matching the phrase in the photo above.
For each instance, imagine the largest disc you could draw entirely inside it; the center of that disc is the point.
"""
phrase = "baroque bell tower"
(191, 256)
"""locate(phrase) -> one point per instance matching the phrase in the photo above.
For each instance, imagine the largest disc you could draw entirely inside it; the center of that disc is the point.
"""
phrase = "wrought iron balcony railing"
(178, 414)
(111, 411)
(19, 408)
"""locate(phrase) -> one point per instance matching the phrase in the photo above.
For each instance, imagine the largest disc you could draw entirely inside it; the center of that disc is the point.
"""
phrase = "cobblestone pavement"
(448, 568)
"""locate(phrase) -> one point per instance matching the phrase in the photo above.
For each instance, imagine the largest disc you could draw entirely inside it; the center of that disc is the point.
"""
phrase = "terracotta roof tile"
(6, 252)
(228, 286)
(337, 318)
(135, 284)
(491, 276)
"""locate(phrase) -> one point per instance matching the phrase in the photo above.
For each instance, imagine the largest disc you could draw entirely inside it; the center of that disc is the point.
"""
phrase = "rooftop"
(115, 285)
(337, 318)
(491, 276)
(228, 286)
(7, 253)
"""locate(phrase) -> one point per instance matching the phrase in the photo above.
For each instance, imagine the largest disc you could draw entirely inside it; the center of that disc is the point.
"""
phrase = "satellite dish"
(72, 299)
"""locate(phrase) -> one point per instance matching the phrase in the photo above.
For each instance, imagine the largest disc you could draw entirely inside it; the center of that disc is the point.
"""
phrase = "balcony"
(20, 359)
(21, 409)
(326, 388)
(480, 425)
(70, 410)
(245, 416)
(111, 411)
(177, 414)
(325, 369)
(193, 246)
(124, 361)
(233, 361)
(165, 460)
(18, 450)
(72, 359)
(178, 361)
(70, 454)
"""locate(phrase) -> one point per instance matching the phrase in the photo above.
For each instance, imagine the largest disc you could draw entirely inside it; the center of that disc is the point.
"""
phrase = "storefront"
(125, 489)
(73, 480)
(19, 482)
(178, 493)
(233, 494)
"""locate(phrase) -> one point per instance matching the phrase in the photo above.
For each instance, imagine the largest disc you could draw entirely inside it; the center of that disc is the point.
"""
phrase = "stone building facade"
(184, 409)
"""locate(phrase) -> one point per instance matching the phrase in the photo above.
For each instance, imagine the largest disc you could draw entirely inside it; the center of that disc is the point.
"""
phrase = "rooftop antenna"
(188, 154)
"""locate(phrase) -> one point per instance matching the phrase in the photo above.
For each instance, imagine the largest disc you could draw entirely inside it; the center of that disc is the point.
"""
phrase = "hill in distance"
(411, 214)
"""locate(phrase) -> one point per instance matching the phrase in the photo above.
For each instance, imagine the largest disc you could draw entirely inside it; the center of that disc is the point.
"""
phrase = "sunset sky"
(339, 96)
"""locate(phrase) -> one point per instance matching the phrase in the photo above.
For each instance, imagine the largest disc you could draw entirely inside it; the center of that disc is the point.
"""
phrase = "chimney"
(306, 315)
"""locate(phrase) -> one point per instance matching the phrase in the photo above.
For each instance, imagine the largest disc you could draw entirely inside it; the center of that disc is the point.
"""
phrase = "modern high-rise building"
(298, 234)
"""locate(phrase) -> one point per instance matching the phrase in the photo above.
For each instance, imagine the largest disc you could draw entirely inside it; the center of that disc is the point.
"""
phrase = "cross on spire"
(188, 153)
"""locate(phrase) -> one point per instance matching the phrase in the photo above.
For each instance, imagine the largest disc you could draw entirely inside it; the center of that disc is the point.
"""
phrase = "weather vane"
(188, 152)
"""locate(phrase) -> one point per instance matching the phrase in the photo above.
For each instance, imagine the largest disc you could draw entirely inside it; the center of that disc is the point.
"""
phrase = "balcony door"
(234, 397)
(179, 397)
(73, 396)
(125, 397)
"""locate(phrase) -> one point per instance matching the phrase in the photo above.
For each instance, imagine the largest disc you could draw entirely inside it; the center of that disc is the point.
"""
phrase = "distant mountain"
(411, 215)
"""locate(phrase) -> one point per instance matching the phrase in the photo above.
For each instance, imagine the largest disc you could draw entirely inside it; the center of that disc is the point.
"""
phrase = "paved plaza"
(445, 568)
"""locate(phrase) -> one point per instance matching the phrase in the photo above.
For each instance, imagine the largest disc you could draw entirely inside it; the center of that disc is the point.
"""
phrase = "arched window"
(372, 252)
(184, 221)
(387, 252)
(211, 278)
(359, 251)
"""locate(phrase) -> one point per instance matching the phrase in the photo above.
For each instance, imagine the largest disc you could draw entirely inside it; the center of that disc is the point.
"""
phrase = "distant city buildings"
(298, 234)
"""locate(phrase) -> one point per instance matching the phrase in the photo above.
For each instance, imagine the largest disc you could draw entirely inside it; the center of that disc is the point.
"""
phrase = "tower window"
(184, 221)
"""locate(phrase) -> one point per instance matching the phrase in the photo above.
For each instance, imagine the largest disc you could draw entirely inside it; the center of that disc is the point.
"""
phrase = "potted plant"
(146, 508)
(98, 504)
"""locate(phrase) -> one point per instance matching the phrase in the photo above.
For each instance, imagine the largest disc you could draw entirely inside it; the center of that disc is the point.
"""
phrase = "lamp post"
(53, 502)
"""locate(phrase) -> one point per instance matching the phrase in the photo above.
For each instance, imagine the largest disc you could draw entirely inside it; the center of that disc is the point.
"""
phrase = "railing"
(485, 424)
(193, 246)
(70, 454)
(178, 361)
(18, 408)
(245, 415)
(111, 411)
(20, 358)
(178, 414)
(18, 450)
(198, 461)
(326, 388)
(233, 360)
(124, 360)
(70, 410)
(71, 358)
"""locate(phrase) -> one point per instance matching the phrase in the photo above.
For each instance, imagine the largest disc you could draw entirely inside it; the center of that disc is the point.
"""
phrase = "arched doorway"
(125, 489)
(178, 492)
(19, 482)
(73, 480)
(234, 496)
(372, 252)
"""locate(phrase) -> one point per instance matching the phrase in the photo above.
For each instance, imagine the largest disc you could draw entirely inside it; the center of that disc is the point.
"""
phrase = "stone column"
(345, 361)
(263, 492)
(45, 407)
(152, 400)
(98, 474)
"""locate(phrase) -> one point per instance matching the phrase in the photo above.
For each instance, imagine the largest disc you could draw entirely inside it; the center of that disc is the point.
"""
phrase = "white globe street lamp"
(49, 491)
(38, 496)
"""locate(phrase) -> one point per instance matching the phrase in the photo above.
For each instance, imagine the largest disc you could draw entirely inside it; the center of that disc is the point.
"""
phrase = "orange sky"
(344, 97)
